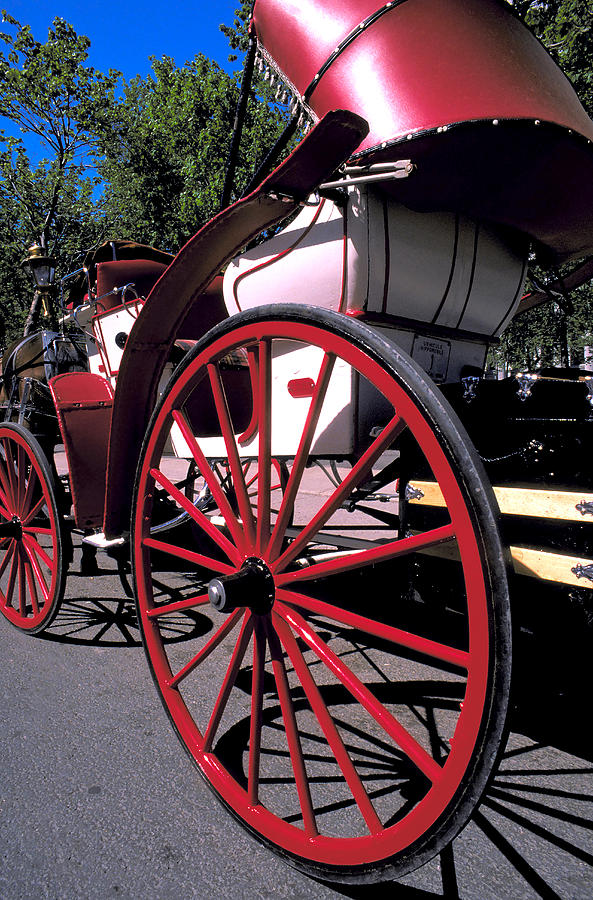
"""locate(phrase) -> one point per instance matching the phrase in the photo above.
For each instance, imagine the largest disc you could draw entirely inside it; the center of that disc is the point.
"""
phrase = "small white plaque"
(433, 355)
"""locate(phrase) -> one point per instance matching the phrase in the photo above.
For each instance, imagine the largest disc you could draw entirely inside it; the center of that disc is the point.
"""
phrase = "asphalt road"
(99, 800)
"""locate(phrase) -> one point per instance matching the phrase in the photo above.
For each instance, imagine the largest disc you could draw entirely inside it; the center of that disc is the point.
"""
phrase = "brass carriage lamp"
(42, 267)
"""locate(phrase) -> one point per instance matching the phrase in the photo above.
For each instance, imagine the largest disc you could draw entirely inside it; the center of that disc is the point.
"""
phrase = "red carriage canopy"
(464, 89)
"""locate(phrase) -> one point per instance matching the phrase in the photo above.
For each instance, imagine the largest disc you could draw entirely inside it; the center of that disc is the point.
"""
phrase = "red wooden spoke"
(178, 606)
(31, 585)
(211, 480)
(302, 454)
(252, 426)
(33, 545)
(381, 553)
(4, 512)
(6, 560)
(198, 516)
(397, 636)
(4, 482)
(226, 428)
(21, 469)
(30, 491)
(352, 683)
(188, 555)
(35, 529)
(33, 512)
(13, 477)
(12, 575)
(356, 474)
(257, 700)
(292, 733)
(4, 490)
(30, 545)
(228, 682)
(264, 407)
(207, 649)
(328, 726)
(22, 583)
(10, 484)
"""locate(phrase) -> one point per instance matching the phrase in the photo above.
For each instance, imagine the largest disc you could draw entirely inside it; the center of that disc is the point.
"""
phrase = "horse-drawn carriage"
(305, 493)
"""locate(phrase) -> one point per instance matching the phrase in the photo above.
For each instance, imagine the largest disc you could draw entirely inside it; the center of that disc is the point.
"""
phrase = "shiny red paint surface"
(461, 87)
(424, 64)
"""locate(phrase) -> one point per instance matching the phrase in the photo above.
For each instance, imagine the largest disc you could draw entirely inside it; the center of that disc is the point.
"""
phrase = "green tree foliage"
(163, 148)
(146, 162)
(565, 27)
(26, 194)
(14, 287)
(48, 94)
(536, 338)
(236, 33)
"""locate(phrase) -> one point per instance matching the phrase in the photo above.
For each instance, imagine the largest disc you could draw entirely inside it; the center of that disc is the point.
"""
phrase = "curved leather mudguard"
(147, 350)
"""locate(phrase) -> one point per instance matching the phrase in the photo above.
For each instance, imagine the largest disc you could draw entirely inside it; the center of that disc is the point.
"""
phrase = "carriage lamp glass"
(42, 267)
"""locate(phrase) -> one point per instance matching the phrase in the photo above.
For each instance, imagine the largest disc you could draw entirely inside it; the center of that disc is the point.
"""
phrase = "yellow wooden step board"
(541, 503)
(538, 503)
(540, 564)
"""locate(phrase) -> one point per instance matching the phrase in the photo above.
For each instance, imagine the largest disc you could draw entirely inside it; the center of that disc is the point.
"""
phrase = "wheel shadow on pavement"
(95, 613)
(531, 834)
(100, 621)
(534, 822)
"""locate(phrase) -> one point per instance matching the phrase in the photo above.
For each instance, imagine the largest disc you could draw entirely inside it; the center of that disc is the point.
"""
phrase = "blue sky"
(123, 35)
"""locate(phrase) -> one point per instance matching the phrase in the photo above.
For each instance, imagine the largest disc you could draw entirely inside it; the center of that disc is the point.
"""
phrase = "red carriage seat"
(142, 273)
(207, 310)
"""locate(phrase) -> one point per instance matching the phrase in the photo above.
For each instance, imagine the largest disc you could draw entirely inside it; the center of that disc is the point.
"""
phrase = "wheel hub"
(13, 529)
(252, 586)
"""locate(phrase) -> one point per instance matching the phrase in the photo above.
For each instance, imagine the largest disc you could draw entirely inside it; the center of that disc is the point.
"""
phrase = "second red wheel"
(32, 565)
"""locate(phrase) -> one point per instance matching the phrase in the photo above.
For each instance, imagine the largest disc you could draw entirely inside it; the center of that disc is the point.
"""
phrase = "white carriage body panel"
(352, 408)
(431, 274)
(111, 329)
(295, 365)
(443, 269)
(437, 285)
(101, 329)
(316, 260)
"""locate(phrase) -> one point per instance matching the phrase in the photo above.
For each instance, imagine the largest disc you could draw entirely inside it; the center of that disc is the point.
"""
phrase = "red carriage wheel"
(340, 720)
(32, 569)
